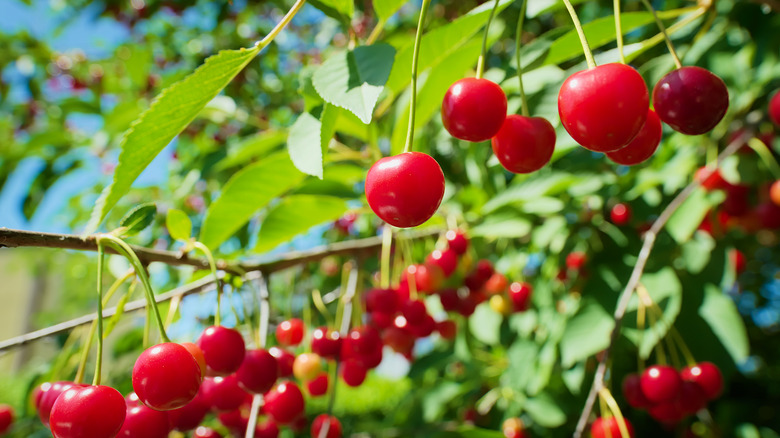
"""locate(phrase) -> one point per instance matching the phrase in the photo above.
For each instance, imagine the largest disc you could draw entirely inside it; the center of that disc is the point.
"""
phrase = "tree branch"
(636, 275)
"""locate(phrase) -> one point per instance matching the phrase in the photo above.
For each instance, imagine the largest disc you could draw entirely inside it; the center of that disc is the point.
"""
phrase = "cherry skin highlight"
(707, 376)
(405, 190)
(88, 412)
(48, 394)
(166, 376)
(457, 241)
(474, 109)
(603, 108)
(660, 383)
(691, 100)
(620, 214)
(290, 332)
(643, 146)
(223, 349)
(524, 144)
(284, 359)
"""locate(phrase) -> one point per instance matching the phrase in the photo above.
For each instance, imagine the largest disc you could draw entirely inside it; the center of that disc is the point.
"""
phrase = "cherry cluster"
(668, 395)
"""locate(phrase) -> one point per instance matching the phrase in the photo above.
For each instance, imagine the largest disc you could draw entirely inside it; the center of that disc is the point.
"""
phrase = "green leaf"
(524, 352)
(245, 193)
(354, 80)
(689, 215)
(475, 432)
(169, 114)
(504, 224)
(485, 324)
(249, 148)
(586, 333)
(304, 145)
(573, 378)
(386, 8)
(545, 411)
(721, 314)
(137, 219)
(342, 10)
(294, 215)
(178, 224)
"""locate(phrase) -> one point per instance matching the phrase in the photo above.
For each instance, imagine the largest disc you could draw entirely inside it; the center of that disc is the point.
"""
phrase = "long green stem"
(661, 26)
(583, 40)
(619, 31)
(415, 61)
(518, 41)
(765, 153)
(281, 25)
(483, 56)
(212, 264)
(99, 359)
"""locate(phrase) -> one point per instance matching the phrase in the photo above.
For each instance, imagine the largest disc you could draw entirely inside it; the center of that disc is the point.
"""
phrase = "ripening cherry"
(206, 432)
(166, 376)
(405, 190)
(223, 349)
(457, 241)
(6, 418)
(88, 412)
(284, 404)
(47, 395)
(427, 278)
(474, 109)
(576, 260)
(737, 259)
(307, 366)
(710, 179)
(496, 284)
(258, 371)
(143, 422)
(284, 359)
(326, 421)
(290, 332)
(632, 391)
(501, 305)
(513, 428)
(318, 386)
(603, 108)
(620, 214)
(520, 294)
(524, 144)
(707, 376)
(774, 108)
(774, 192)
(643, 146)
(660, 383)
(609, 428)
(189, 416)
(446, 260)
(691, 100)
(197, 353)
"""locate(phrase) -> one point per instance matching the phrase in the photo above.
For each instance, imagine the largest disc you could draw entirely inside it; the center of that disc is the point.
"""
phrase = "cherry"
(223, 393)
(660, 383)
(381, 320)
(467, 305)
(205, 432)
(223, 349)
(284, 359)
(284, 403)
(691, 100)
(524, 144)
(446, 260)
(632, 391)
(197, 353)
(457, 241)
(381, 300)
(496, 284)
(501, 305)
(620, 214)
(361, 341)
(481, 274)
(691, 398)
(236, 421)
(576, 260)
(319, 385)
(737, 259)
(399, 339)
(774, 108)
(447, 329)
(414, 311)
(405, 190)
(520, 294)
(88, 412)
(353, 372)
(166, 376)
(768, 215)
(737, 200)
(643, 146)
(258, 372)
(424, 327)
(603, 108)
(144, 422)
(474, 109)
(774, 190)
(707, 376)
(710, 179)
(290, 332)
(609, 428)
(449, 299)
(268, 429)
(427, 278)
(513, 428)
(666, 412)
(189, 416)
(321, 422)
(48, 394)
(307, 366)
(6, 418)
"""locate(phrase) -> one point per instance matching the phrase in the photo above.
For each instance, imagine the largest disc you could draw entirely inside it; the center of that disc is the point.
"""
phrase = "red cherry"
(643, 146)
(144, 422)
(319, 385)
(603, 108)
(353, 372)
(737, 259)
(414, 311)
(447, 329)
(476, 280)
(236, 421)
(321, 422)
(197, 353)
(205, 432)
(258, 372)
(223, 349)
(707, 376)
(467, 305)
(620, 214)
(88, 412)
(774, 190)
(424, 327)
(361, 341)
(496, 284)
(428, 278)
(691, 398)
(190, 415)
(405, 190)
(609, 428)
(691, 100)
(446, 260)
(457, 241)
(737, 202)
(400, 340)
(166, 376)
(520, 294)
(223, 393)
(513, 428)
(290, 332)
(576, 260)
(6, 418)
(666, 412)
(48, 394)
(284, 403)
(381, 320)
(660, 383)
(327, 343)
(382, 300)
(284, 359)
(474, 109)
(774, 108)
(268, 429)
(710, 179)
(524, 144)
(632, 391)
(768, 215)
(449, 300)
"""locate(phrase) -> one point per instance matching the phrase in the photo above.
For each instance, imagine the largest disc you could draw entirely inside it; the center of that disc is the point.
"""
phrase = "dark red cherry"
(449, 300)
(424, 328)
(88, 412)
(710, 179)
(447, 329)
(643, 146)
(405, 190)
(524, 144)
(660, 383)
(576, 260)
(768, 215)
(236, 421)
(691, 398)
(6, 418)
(520, 294)
(737, 202)
(353, 372)
(467, 305)
(457, 241)
(284, 404)
(774, 108)
(446, 260)
(166, 376)
(632, 391)
(691, 100)
(206, 432)
(328, 422)
(603, 108)
(223, 393)
(399, 339)
(258, 372)
(609, 428)
(290, 332)
(707, 376)
(223, 349)
(144, 422)
(380, 300)
(48, 394)
(620, 214)
(737, 259)
(319, 385)
(414, 311)
(190, 415)
(284, 359)
(479, 276)
(327, 343)
(474, 109)
(667, 412)
(381, 320)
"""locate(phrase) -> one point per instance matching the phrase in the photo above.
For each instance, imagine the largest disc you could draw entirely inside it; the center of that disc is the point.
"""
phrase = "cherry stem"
(675, 335)
(615, 409)
(766, 156)
(518, 40)
(257, 402)
(640, 325)
(661, 26)
(583, 40)
(415, 62)
(483, 56)
(316, 297)
(281, 25)
(265, 312)
(99, 320)
(210, 257)
(387, 244)
(619, 31)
